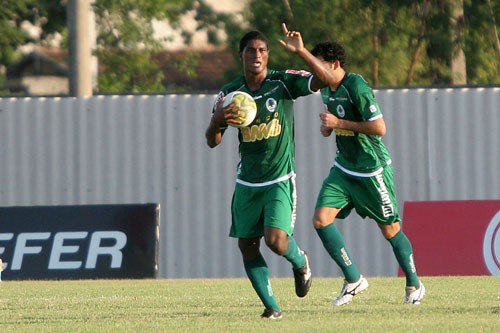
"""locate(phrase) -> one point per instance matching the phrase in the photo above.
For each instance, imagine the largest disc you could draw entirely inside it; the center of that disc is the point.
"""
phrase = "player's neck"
(339, 76)
(254, 80)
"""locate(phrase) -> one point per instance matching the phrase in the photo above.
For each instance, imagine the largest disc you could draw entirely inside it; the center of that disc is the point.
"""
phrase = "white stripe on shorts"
(277, 180)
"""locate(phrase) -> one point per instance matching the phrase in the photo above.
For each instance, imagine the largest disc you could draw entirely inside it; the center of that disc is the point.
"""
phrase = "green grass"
(452, 304)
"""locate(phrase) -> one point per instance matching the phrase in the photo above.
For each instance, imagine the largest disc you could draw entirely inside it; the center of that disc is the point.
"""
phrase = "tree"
(392, 42)
(126, 43)
(481, 41)
(12, 15)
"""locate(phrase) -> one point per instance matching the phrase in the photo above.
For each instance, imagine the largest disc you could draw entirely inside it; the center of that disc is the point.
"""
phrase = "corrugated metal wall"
(137, 149)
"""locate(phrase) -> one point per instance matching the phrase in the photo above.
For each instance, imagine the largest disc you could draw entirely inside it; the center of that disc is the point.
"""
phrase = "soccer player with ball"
(264, 198)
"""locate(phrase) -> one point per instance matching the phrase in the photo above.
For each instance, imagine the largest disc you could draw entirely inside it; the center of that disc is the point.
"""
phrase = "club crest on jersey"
(271, 104)
(340, 111)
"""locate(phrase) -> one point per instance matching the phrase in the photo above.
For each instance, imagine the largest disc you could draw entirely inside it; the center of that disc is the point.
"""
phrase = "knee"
(249, 248)
(317, 223)
(320, 221)
(277, 243)
(390, 230)
(324, 216)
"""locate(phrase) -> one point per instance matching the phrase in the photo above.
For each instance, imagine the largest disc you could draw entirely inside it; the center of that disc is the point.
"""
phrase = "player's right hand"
(293, 39)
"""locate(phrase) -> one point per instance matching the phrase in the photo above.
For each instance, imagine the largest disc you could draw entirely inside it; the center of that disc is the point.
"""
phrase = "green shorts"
(372, 197)
(272, 205)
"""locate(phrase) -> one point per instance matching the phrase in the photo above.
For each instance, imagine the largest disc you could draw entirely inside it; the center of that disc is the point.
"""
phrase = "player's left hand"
(293, 40)
(325, 131)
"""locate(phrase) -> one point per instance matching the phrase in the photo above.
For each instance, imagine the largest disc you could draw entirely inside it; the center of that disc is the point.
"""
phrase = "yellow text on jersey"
(261, 131)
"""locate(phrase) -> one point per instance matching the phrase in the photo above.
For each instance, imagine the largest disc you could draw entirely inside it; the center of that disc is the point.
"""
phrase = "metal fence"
(139, 149)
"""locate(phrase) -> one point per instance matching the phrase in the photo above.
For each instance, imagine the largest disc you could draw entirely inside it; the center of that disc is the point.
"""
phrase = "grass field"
(452, 304)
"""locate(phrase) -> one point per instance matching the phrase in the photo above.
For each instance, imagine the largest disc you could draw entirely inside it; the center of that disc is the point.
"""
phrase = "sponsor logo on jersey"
(271, 104)
(299, 72)
(272, 91)
(261, 131)
(343, 132)
(373, 108)
(387, 207)
(333, 99)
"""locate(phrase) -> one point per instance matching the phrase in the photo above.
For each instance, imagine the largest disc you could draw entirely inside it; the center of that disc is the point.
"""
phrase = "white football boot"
(350, 290)
(414, 295)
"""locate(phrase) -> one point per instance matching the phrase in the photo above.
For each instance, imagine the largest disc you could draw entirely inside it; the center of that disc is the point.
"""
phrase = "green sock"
(258, 273)
(294, 255)
(404, 254)
(333, 242)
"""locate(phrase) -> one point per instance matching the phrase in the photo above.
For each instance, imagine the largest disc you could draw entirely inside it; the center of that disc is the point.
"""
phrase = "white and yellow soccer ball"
(247, 108)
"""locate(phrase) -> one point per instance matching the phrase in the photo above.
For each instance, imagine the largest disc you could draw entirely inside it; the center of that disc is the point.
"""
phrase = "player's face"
(255, 57)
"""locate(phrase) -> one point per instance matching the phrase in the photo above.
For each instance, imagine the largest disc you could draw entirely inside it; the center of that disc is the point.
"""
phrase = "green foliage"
(142, 9)
(126, 43)
(12, 13)
(483, 57)
(453, 304)
(188, 63)
(126, 25)
(210, 20)
(52, 15)
(297, 17)
(368, 29)
(390, 42)
(130, 71)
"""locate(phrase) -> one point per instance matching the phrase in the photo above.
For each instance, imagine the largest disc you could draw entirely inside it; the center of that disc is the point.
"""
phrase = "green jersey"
(357, 154)
(267, 146)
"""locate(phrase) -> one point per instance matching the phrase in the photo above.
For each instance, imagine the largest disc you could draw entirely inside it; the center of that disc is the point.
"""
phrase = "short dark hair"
(330, 51)
(251, 35)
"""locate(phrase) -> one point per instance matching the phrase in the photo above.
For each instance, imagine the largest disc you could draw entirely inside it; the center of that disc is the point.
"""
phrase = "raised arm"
(293, 43)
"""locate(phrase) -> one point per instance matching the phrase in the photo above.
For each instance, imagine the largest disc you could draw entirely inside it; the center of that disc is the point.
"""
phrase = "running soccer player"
(264, 198)
(361, 177)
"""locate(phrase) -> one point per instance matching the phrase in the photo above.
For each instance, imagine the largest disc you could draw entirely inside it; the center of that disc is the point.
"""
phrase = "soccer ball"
(247, 108)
